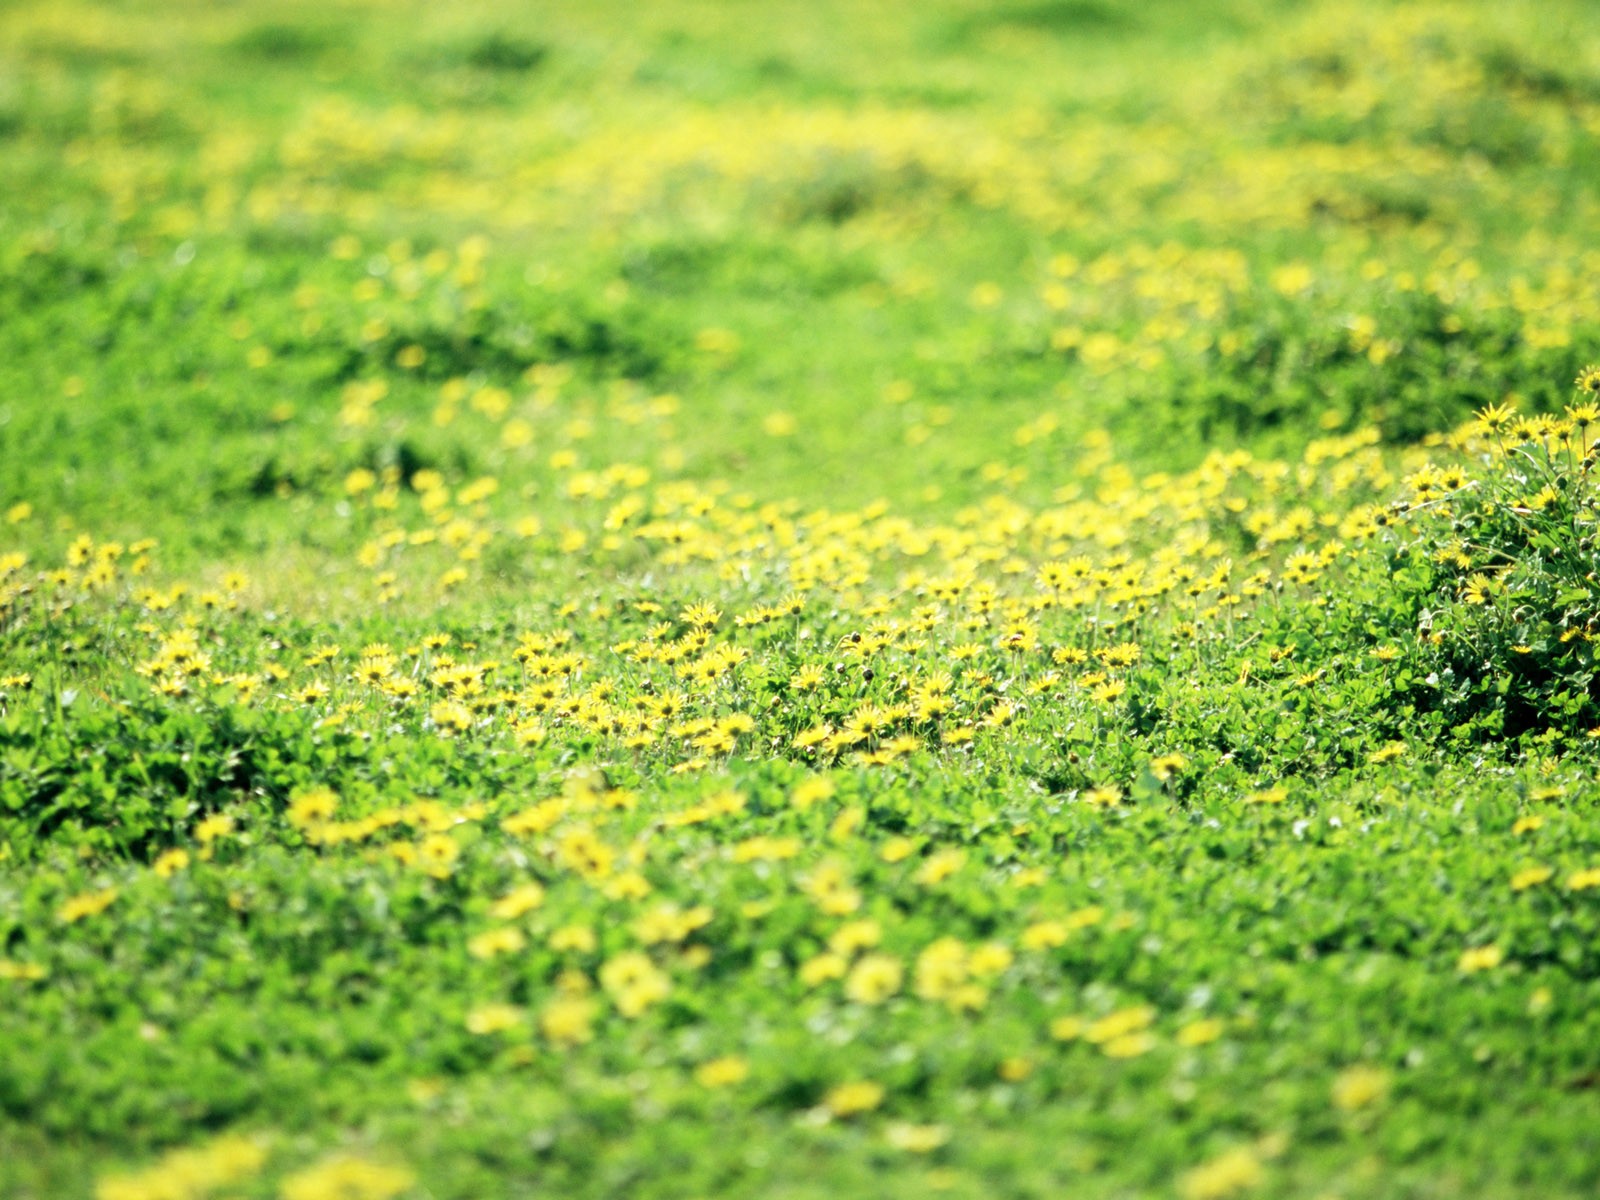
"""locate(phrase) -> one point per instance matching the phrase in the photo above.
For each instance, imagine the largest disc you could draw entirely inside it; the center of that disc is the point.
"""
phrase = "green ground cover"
(795, 600)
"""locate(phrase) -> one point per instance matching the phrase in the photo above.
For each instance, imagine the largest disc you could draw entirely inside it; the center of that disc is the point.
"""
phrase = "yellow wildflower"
(722, 1072)
(1480, 958)
(851, 1099)
(1360, 1086)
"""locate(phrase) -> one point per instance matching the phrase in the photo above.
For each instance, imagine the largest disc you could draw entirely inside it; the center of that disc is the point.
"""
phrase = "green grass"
(692, 599)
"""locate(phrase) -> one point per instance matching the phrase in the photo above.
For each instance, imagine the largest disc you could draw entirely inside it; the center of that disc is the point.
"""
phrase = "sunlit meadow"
(694, 599)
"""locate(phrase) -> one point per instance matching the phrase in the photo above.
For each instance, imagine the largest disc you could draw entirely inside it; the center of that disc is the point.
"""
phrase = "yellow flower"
(940, 866)
(581, 850)
(1228, 1174)
(170, 863)
(1045, 935)
(451, 717)
(1480, 958)
(190, 1171)
(1168, 765)
(494, 1018)
(360, 480)
(86, 904)
(829, 886)
(942, 968)
(1359, 1086)
(1015, 1070)
(854, 936)
(916, 1139)
(1067, 1029)
(538, 819)
(898, 849)
(347, 1179)
(822, 968)
(1106, 796)
(701, 616)
(1290, 279)
(1495, 417)
(312, 807)
(437, 855)
(722, 1072)
(874, 979)
(1272, 795)
(1106, 692)
(494, 942)
(846, 823)
(634, 982)
(810, 791)
(1129, 1045)
(850, 1099)
(630, 885)
(517, 902)
(669, 923)
(567, 1020)
(1120, 1024)
(1530, 877)
(213, 827)
(1198, 1033)
(1083, 918)
(989, 959)
(579, 939)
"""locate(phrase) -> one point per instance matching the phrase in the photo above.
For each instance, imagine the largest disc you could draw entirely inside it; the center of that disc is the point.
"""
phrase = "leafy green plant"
(1515, 577)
